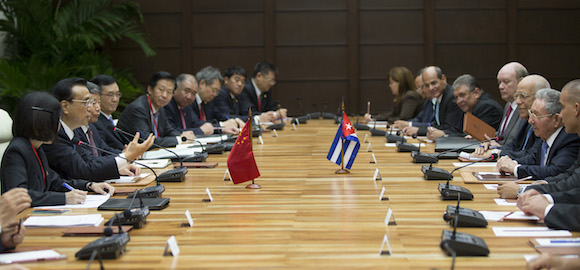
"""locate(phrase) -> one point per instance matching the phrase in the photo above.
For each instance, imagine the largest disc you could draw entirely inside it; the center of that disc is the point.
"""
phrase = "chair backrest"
(5, 131)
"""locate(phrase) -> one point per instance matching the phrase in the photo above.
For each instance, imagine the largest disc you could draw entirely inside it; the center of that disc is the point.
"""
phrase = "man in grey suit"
(508, 78)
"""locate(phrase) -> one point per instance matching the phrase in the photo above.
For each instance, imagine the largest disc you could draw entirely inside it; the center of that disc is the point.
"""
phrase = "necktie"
(201, 112)
(182, 119)
(507, 117)
(437, 112)
(155, 119)
(530, 130)
(259, 104)
(92, 142)
(112, 122)
(543, 154)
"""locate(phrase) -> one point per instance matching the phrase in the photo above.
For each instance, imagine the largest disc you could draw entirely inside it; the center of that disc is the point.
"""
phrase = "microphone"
(175, 175)
(316, 113)
(150, 192)
(462, 244)
(111, 246)
(466, 217)
(450, 192)
(377, 132)
(304, 118)
(419, 157)
(327, 115)
(135, 217)
(408, 147)
(217, 148)
(393, 138)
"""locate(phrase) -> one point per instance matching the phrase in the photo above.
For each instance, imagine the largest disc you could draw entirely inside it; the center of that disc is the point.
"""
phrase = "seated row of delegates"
(36, 122)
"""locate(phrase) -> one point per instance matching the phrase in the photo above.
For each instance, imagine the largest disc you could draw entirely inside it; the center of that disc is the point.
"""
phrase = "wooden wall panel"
(549, 26)
(225, 5)
(143, 68)
(393, 4)
(313, 5)
(385, 27)
(228, 29)
(311, 28)
(376, 61)
(378, 93)
(223, 58)
(470, 26)
(311, 63)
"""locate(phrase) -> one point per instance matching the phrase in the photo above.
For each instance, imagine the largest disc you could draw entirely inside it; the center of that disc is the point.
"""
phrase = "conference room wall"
(349, 46)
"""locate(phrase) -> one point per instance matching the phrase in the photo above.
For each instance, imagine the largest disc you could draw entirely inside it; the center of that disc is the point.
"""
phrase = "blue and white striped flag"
(351, 144)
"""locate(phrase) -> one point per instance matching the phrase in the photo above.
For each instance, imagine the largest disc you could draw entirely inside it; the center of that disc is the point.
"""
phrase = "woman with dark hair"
(408, 102)
(25, 165)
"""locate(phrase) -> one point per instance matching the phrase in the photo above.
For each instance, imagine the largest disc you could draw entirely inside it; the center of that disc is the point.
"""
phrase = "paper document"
(30, 256)
(64, 220)
(504, 202)
(519, 215)
(530, 257)
(529, 232)
(183, 151)
(395, 144)
(127, 179)
(480, 164)
(92, 201)
(558, 242)
(154, 163)
(494, 215)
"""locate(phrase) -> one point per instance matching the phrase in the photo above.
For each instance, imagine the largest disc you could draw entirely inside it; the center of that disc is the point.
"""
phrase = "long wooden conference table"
(304, 216)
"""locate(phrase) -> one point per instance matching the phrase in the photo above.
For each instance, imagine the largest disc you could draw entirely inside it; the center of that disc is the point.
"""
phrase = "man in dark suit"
(508, 78)
(471, 98)
(446, 114)
(570, 179)
(145, 114)
(525, 139)
(180, 113)
(62, 155)
(227, 103)
(109, 96)
(257, 94)
(558, 149)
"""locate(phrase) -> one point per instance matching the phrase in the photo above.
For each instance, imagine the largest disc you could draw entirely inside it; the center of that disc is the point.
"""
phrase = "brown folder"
(477, 128)
(572, 250)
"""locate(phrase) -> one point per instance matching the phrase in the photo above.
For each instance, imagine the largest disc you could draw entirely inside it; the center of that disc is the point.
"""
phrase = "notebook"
(123, 204)
(477, 128)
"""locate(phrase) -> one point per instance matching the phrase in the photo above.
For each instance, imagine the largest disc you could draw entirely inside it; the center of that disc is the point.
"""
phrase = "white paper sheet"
(182, 151)
(529, 232)
(64, 220)
(154, 163)
(558, 242)
(127, 179)
(494, 215)
(395, 144)
(480, 164)
(30, 256)
(504, 202)
(92, 201)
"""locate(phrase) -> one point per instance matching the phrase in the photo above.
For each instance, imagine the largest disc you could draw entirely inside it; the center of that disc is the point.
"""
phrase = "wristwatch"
(90, 186)
(520, 191)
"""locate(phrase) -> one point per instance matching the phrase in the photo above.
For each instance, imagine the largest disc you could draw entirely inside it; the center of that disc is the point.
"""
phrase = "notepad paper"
(529, 232)
(504, 202)
(480, 164)
(494, 215)
(558, 242)
(154, 163)
(395, 144)
(30, 256)
(91, 201)
(127, 179)
(64, 220)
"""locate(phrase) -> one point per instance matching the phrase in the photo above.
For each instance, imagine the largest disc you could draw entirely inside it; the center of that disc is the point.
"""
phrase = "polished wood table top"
(305, 215)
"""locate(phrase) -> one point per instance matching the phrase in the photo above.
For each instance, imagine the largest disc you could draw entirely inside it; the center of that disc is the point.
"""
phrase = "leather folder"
(123, 204)
(477, 128)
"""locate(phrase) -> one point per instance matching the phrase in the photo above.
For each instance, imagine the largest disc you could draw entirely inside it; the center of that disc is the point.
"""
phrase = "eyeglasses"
(522, 95)
(461, 96)
(111, 95)
(535, 116)
(87, 102)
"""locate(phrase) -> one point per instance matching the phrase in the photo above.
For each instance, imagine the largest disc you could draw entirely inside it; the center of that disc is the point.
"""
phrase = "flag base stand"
(253, 186)
(342, 171)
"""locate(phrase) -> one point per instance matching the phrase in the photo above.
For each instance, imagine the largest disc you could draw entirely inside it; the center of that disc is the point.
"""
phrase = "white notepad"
(30, 256)
(92, 201)
(64, 220)
(529, 232)
(154, 163)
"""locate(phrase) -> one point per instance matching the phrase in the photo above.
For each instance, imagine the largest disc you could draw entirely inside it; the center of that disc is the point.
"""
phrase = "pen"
(67, 186)
(19, 225)
(564, 241)
(523, 179)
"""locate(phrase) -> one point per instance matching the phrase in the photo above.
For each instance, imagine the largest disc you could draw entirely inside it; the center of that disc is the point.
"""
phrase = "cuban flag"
(351, 143)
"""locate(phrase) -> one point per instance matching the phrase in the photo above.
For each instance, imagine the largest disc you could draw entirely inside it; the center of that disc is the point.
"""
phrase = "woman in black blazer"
(408, 102)
(24, 164)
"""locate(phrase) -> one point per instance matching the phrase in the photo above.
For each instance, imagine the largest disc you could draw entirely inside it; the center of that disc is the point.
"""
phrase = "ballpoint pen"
(67, 186)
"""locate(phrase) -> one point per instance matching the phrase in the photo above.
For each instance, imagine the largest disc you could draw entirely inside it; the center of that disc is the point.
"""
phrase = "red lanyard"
(153, 117)
(41, 167)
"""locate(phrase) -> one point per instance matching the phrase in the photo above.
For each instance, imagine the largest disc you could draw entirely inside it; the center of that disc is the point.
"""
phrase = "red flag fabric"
(241, 162)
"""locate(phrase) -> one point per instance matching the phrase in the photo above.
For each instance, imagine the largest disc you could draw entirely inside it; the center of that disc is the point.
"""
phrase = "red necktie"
(92, 142)
(182, 119)
(507, 117)
(259, 104)
(201, 112)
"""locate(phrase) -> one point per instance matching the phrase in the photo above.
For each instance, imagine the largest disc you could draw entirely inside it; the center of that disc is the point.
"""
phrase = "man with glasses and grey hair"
(63, 157)
(558, 149)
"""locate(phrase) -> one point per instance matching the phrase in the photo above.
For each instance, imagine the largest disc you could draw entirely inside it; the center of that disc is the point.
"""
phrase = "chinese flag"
(241, 162)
